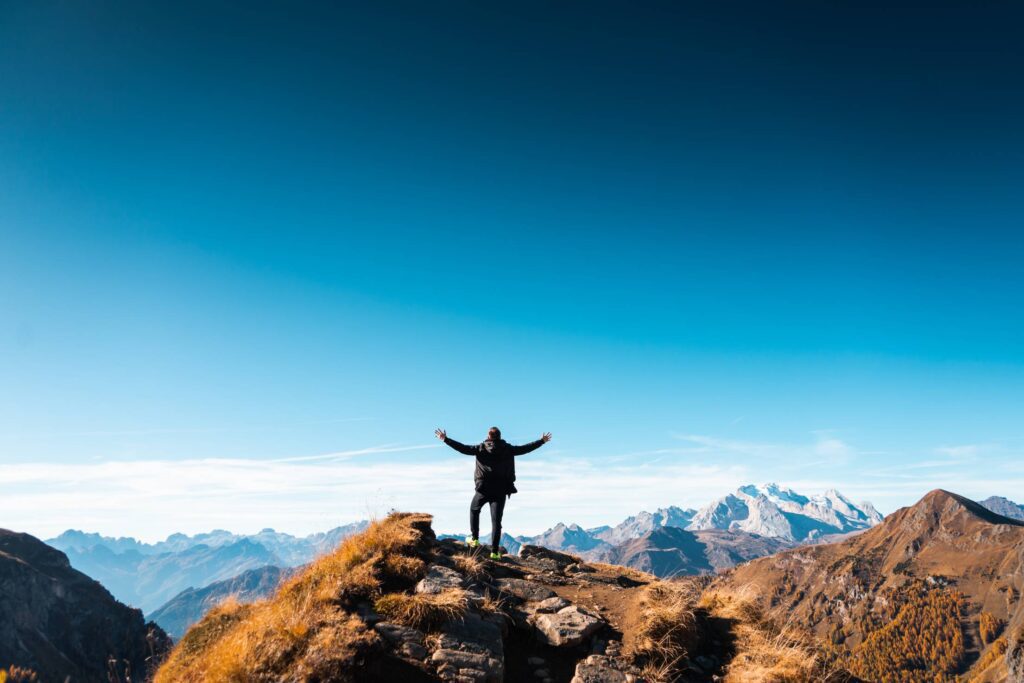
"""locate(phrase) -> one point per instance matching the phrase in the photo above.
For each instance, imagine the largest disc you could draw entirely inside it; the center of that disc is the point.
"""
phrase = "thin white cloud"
(825, 445)
(344, 455)
(152, 498)
(966, 451)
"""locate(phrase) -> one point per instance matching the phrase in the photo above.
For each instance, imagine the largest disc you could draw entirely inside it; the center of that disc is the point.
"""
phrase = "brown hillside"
(394, 603)
(926, 595)
(57, 624)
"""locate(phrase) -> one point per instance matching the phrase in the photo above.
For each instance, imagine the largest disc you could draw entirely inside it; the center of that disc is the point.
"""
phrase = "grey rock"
(397, 634)
(535, 552)
(439, 579)
(456, 665)
(598, 669)
(568, 627)
(536, 661)
(413, 651)
(525, 590)
(473, 634)
(407, 641)
(548, 606)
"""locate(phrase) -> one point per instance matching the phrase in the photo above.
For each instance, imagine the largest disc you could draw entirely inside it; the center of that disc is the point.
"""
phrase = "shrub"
(664, 627)
(423, 610)
(989, 627)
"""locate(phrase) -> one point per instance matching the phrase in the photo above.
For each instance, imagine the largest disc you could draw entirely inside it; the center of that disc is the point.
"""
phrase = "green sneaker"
(495, 556)
(473, 543)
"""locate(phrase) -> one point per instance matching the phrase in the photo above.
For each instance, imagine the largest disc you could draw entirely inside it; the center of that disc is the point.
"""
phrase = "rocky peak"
(61, 624)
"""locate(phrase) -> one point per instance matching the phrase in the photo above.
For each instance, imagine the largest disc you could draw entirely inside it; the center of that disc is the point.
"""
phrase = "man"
(495, 479)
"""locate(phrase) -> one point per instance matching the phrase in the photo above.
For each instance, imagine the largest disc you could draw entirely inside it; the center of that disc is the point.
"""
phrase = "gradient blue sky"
(251, 255)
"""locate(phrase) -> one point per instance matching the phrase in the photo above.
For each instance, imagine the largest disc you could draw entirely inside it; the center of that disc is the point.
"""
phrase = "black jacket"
(495, 464)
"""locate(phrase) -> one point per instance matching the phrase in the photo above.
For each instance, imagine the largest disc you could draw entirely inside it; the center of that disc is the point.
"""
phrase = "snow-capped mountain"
(645, 522)
(770, 510)
(572, 538)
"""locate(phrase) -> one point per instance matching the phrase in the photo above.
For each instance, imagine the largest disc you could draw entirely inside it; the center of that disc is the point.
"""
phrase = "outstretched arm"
(460, 447)
(532, 446)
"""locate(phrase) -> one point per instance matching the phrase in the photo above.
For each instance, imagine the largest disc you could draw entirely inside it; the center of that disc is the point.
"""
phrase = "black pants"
(497, 510)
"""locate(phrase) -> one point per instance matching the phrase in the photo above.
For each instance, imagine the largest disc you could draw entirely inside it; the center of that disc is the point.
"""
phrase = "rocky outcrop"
(567, 627)
(439, 579)
(1015, 659)
(63, 625)
(470, 649)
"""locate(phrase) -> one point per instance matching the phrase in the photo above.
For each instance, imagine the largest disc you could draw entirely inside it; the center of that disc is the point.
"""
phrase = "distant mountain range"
(148, 575)
(1004, 506)
(189, 606)
(752, 522)
(671, 551)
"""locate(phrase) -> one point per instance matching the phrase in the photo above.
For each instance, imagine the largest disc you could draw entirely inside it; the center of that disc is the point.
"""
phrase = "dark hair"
(494, 433)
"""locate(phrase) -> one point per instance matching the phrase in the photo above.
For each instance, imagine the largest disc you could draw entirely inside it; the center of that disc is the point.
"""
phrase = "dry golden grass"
(16, 674)
(304, 632)
(765, 652)
(628, 572)
(994, 653)
(470, 565)
(664, 627)
(423, 610)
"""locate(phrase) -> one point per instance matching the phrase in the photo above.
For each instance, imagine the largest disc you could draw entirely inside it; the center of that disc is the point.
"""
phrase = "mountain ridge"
(60, 623)
(934, 568)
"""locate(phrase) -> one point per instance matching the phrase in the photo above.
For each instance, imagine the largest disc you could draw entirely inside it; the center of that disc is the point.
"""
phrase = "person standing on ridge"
(494, 478)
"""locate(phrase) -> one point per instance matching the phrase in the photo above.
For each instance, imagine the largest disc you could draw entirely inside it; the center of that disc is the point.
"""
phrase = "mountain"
(933, 590)
(394, 603)
(771, 510)
(189, 606)
(61, 624)
(148, 581)
(293, 550)
(148, 575)
(572, 538)
(643, 523)
(671, 551)
(1004, 506)
(753, 522)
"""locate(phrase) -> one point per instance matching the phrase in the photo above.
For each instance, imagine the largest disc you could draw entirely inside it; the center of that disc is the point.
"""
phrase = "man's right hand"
(440, 433)
(545, 437)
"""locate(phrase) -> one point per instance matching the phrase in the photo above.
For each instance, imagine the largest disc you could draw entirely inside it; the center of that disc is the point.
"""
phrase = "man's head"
(493, 433)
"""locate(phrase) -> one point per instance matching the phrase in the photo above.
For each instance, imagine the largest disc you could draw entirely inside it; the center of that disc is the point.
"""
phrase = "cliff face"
(64, 625)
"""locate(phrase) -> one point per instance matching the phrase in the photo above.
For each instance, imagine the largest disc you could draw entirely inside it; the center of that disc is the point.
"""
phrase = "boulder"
(536, 552)
(406, 641)
(439, 579)
(568, 627)
(525, 590)
(598, 669)
(548, 606)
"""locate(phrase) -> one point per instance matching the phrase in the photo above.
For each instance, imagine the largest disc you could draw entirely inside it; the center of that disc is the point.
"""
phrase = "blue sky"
(250, 258)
